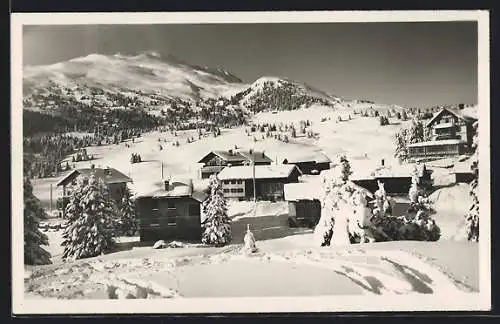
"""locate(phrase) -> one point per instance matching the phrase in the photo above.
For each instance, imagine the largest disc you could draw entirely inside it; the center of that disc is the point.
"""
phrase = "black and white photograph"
(250, 162)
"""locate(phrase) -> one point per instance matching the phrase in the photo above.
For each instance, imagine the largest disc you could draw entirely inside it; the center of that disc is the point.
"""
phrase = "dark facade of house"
(304, 213)
(215, 161)
(464, 177)
(450, 132)
(394, 186)
(170, 215)
(304, 203)
(238, 182)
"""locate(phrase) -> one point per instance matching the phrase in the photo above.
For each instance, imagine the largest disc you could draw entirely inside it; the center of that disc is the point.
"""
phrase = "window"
(226, 181)
(240, 190)
(240, 181)
(233, 181)
(226, 190)
(171, 205)
(155, 213)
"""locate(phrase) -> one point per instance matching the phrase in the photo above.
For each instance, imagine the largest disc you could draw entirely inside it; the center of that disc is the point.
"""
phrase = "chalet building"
(451, 134)
(304, 203)
(312, 164)
(238, 181)
(115, 181)
(396, 180)
(215, 161)
(173, 212)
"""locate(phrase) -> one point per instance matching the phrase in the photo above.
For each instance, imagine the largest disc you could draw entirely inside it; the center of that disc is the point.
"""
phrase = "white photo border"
(436, 302)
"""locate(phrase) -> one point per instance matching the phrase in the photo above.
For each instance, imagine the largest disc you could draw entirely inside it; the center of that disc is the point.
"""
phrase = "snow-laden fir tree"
(89, 213)
(335, 202)
(127, 215)
(413, 134)
(346, 168)
(34, 254)
(217, 224)
(324, 229)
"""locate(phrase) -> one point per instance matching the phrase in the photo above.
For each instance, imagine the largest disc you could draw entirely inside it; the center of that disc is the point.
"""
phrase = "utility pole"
(162, 170)
(253, 175)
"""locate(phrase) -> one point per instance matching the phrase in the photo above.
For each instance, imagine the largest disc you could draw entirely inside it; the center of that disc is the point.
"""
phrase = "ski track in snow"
(376, 272)
(390, 272)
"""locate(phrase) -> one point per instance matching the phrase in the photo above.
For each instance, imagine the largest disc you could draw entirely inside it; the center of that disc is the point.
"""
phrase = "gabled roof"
(261, 172)
(317, 157)
(108, 175)
(455, 112)
(312, 190)
(256, 156)
(177, 189)
(229, 156)
(238, 156)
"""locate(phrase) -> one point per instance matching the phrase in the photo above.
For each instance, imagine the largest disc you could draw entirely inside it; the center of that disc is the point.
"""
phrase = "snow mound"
(451, 204)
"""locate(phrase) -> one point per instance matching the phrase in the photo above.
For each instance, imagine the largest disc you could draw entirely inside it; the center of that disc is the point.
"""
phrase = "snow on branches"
(90, 213)
(217, 224)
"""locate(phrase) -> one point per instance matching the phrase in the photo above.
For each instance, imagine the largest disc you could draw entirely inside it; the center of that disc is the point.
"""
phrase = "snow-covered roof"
(302, 191)
(436, 143)
(386, 171)
(462, 167)
(238, 156)
(108, 175)
(177, 188)
(317, 157)
(261, 172)
(455, 112)
(312, 190)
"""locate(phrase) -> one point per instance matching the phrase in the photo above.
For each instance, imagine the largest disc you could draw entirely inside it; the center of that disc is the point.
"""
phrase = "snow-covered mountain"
(147, 74)
(151, 81)
(282, 94)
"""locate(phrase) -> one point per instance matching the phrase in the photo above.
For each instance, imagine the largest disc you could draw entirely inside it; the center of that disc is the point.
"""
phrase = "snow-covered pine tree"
(400, 141)
(127, 212)
(324, 229)
(90, 214)
(346, 168)
(416, 132)
(34, 254)
(217, 224)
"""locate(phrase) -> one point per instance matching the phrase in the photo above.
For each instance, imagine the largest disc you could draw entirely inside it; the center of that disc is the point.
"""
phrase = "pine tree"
(416, 132)
(34, 254)
(346, 168)
(217, 225)
(128, 221)
(90, 214)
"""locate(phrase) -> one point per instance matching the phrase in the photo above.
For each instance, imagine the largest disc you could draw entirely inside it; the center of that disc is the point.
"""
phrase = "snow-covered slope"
(275, 93)
(144, 74)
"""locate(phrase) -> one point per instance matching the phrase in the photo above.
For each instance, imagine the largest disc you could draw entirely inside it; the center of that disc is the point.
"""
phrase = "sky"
(411, 64)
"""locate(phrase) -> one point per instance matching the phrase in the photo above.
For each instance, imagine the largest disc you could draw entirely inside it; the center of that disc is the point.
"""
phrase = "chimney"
(166, 184)
(382, 162)
(250, 151)
(230, 152)
(191, 186)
